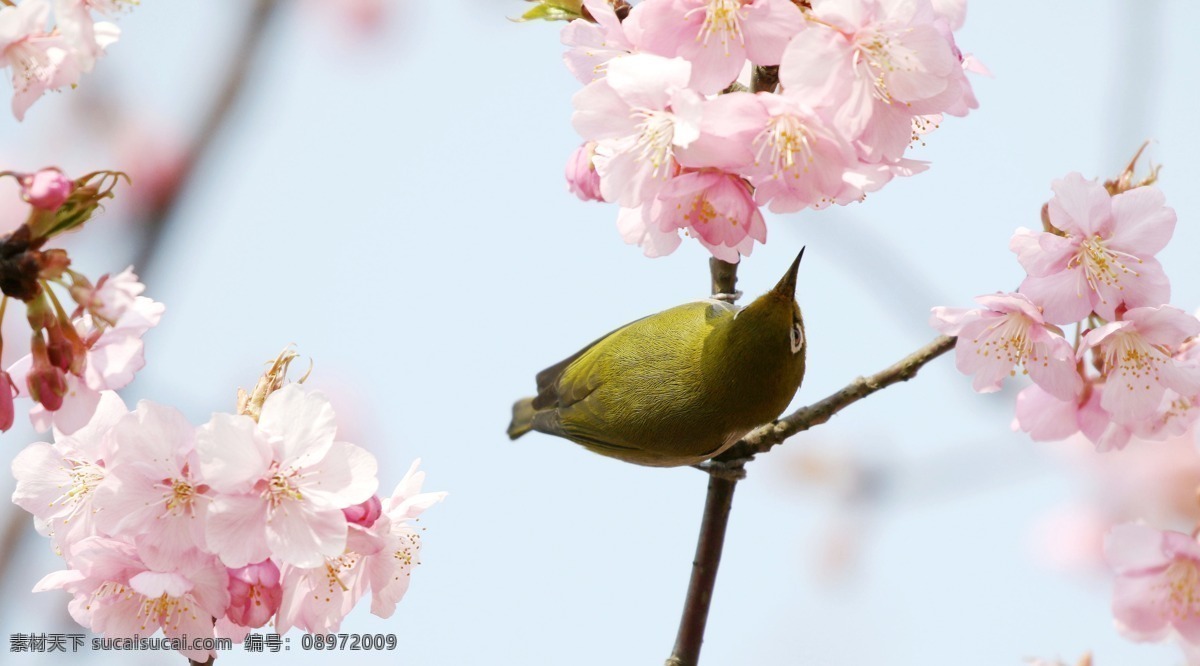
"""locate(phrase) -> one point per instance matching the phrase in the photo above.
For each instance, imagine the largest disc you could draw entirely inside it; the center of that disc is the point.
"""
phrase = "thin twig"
(763, 438)
(704, 571)
(242, 60)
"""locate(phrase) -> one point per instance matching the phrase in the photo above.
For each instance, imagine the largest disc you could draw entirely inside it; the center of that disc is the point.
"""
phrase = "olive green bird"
(677, 387)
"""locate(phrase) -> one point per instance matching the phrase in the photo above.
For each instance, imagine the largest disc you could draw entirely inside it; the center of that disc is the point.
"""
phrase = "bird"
(677, 387)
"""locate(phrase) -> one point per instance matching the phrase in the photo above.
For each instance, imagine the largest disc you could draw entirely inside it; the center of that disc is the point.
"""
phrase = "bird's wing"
(547, 380)
(557, 389)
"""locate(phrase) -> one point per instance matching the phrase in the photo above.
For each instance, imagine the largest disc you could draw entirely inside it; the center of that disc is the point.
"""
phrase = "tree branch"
(726, 469)
(704, 571)
(763, 438)
(712, 527)
(241, 61)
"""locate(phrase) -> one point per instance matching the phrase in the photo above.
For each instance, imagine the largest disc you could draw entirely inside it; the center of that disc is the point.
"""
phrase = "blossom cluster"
(215, 530)
(74, 354)
(1130, 372)
(1133, 368)
(696, 113)
(46, 57)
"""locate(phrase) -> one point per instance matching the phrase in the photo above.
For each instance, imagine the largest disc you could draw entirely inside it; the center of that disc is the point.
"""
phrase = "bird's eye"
(797, 337)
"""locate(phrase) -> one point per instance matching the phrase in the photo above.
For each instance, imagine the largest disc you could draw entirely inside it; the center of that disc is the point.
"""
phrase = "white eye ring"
(797, 337)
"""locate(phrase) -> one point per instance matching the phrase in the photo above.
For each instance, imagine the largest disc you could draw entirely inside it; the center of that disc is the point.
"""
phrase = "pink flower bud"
(366, 513)
(582, 178)
(46, 189)
(47, 383)
(66, 349)
(254, 594)
(7, 391)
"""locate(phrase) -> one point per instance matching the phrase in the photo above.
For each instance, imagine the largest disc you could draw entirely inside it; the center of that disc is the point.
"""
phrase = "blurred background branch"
(242, 61)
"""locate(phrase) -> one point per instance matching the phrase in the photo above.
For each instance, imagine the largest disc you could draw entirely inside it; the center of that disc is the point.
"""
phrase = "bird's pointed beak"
(787, 286)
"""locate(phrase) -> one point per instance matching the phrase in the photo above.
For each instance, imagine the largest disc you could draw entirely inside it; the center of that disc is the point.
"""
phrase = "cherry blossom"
(953, 11)
(120, 590)
(1157, 589)
(715, 207)
(640, 115)
(44, 59)
(87, 38)
(594, 44)
(153, 483)
(1137, 353)
(1009, 331)
(1046, 418)
(57, 482)
(281, 483)
(389, 576)
(875, 64)
(379, 557)
(636, 229)
(1102, 255)
(716, 36)
(110, 327)
(792, 156)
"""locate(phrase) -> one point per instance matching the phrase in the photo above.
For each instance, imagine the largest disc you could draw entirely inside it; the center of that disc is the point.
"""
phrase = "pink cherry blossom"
(317, 599)
(716, 36)
(378, 558)
(112, 296)
(953, 11)
(1157, 588)
(1046, 418)
(38, 59)
(1105, 259)
(716, 208)
(120, 590)
(636, 229)
(793, 158)
(282, 483)
(594, 44)
(641, 114)
(582, 179)
(389, 574)
(254, 594)
(111, 328)
(875, 64)
(57, 482)
(153, 483)
(1137, 354)
(1009, 331)
(85, 37)
(47, 189)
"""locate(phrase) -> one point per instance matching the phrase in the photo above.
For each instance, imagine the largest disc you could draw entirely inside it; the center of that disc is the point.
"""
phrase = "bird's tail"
(522, 418)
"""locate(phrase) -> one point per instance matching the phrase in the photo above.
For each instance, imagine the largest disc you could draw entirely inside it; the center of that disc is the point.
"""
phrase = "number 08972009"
(348, 641)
